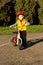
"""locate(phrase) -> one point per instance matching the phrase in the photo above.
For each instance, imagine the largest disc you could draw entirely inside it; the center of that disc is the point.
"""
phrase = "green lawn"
(30, 29)
(35, 28)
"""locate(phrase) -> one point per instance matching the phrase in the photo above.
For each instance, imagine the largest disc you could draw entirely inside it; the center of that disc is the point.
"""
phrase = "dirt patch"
(33, 55)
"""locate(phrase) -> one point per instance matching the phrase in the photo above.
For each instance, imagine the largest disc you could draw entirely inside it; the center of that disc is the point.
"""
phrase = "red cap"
(20, 13)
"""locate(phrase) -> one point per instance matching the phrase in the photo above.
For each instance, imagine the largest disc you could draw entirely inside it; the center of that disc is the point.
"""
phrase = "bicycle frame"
(19, 38)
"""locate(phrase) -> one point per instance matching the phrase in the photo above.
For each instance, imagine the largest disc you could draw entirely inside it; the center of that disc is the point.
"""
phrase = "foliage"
(41, 11)
(33, 11)
(7, 12)
(27, 6)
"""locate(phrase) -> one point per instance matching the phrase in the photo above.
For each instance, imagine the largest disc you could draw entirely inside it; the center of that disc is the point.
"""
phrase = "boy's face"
(21, 17)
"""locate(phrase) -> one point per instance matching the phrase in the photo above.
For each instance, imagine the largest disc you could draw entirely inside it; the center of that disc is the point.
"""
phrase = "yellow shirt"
(21, 25)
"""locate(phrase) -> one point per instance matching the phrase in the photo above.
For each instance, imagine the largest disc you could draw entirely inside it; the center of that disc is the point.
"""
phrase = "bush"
(8, 10)
(27, 6)
(41, 11)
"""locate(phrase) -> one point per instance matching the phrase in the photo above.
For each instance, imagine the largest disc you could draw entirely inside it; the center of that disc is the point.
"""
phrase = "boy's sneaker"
(26, 46)
(22, 47)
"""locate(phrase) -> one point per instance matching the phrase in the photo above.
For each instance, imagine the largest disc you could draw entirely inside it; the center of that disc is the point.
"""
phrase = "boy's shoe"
(26, 46)
(22, 47)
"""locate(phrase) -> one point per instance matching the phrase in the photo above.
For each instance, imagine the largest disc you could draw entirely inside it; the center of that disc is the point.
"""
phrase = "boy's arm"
(27, 23)
(13, 25)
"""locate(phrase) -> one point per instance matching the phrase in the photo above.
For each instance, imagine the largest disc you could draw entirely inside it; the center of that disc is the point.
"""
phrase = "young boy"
(21, 25)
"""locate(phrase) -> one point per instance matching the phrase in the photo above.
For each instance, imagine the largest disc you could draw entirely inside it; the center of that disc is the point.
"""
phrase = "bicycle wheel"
(19, 43)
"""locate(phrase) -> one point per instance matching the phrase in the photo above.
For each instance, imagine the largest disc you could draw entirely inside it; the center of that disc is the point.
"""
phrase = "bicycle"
(17, 40)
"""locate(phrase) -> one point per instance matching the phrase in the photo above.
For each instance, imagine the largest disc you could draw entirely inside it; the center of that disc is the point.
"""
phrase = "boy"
(21, 25)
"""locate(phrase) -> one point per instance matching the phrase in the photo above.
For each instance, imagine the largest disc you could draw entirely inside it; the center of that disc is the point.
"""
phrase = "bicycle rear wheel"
(19, 43)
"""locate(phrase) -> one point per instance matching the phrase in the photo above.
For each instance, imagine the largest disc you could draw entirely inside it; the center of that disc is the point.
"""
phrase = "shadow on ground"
(33, 42)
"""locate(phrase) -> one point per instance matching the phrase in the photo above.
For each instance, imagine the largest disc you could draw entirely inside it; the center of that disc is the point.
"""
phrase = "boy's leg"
(23, 36)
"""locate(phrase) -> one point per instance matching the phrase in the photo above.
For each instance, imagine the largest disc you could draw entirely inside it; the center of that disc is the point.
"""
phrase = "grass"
(6, 30)
(30, 29)
(35, 28)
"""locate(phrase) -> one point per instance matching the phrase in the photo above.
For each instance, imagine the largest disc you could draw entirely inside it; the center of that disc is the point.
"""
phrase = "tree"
(41, 11)
(7, 12)
(3, 12)
(35, 14)
(27, 6)
(33, 10)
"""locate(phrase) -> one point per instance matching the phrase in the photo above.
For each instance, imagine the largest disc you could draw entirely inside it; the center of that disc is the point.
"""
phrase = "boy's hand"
(11, 26)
